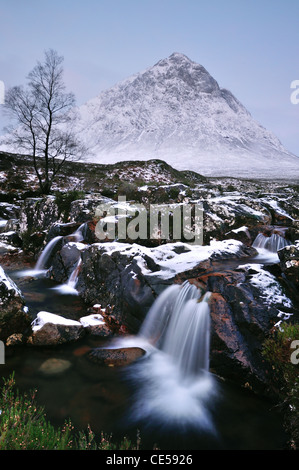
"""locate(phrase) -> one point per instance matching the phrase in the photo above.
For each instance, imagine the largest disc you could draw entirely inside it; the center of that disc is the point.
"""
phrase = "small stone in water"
(54, 366)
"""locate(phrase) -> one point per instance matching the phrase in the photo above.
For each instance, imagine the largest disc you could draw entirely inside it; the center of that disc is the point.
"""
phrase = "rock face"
(289, 262)
(14, 316)
(176, 111)
(116, 281)
(247, 301)
(37, 214)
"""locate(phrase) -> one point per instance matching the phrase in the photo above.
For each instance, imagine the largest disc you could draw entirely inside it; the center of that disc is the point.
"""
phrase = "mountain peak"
(179, 56)
(178, 67)
(176, 111)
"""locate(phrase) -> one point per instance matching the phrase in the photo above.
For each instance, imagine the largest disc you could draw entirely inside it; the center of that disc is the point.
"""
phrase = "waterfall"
(178, 324)
(172, 383)
(45, 255)
(80, 233)
(41, 264)
(273, 243)
(70, 286)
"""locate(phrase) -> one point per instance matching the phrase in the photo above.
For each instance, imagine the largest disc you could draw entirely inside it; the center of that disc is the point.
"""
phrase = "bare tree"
(43, 116)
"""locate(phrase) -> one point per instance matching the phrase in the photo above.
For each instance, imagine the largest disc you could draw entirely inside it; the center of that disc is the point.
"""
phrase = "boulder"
(14, 315)
(95, 325)
(245, 305)
(115, 357)
(226, 213)
(65, 260)
(49, 329)
(116, 281)
(38, 214)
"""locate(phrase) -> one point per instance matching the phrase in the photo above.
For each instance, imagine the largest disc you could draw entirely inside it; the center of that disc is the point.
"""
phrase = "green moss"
(24, 426)
(64, 201)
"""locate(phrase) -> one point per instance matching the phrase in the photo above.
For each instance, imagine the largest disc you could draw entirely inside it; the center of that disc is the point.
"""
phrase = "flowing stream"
(169, 394)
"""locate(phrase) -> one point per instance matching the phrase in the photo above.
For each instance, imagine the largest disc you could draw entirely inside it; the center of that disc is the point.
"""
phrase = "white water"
(268, 247)
(273, 243)
(70, 286)
(179, 325)
(173, 383)
(45, 255)
(79, 234)
(41, 265)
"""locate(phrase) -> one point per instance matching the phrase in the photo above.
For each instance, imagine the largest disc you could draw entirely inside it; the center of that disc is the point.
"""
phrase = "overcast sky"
(250, 47)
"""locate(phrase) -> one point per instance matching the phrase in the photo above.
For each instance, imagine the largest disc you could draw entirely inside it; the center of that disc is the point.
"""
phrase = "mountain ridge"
(176, 111)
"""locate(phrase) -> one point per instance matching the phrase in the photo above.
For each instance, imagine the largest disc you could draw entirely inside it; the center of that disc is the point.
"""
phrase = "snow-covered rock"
(49, 329)
(14, 316)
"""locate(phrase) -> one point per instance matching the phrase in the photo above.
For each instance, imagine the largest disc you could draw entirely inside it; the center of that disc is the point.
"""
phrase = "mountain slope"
(177, 112)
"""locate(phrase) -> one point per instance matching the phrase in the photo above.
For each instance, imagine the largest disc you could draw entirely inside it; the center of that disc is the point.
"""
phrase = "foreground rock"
(14, 315)
(49, 329)
(115, 357)
(246, 303)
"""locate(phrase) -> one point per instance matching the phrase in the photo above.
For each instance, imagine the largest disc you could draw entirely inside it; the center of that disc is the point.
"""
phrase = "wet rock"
(117, 281)
(60, 229)
(242, 234)
(115, 357)
(245, 305)
(14, 315)
(64, 261)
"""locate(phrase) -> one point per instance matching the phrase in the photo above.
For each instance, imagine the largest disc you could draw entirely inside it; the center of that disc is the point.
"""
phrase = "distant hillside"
(17, 175)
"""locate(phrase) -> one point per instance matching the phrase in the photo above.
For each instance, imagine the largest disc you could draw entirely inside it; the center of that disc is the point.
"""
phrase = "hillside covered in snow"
(177, 112)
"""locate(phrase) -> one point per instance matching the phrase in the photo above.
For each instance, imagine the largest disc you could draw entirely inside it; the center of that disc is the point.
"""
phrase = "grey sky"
(250, 47)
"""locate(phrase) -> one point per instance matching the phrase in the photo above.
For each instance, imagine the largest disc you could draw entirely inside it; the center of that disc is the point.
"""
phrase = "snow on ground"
(171, 258)
(47, 317)
(9, 284)
(44, 317)
(270, 290)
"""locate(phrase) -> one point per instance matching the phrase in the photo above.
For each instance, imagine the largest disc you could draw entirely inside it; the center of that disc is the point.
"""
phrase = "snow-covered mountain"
(177, 112)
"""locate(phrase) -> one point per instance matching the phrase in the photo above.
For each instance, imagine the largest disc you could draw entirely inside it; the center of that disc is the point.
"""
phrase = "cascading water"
(70, 286)
(174, 385)
(273, 243)
(80, 233)
(179, 324)
(46, 253)
(41, 264)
